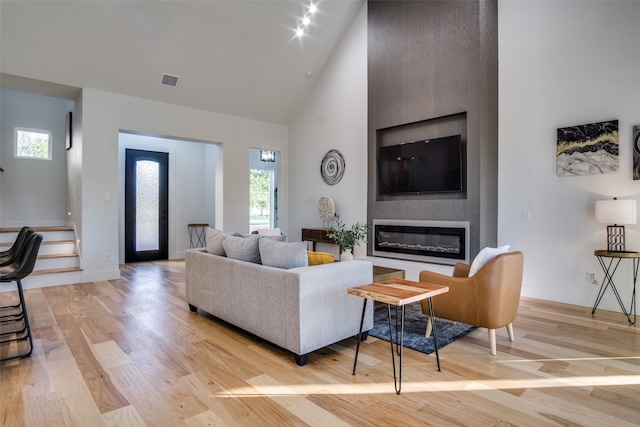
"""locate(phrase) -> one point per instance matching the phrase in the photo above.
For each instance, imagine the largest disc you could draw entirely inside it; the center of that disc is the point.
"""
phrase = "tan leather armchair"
(488, 299)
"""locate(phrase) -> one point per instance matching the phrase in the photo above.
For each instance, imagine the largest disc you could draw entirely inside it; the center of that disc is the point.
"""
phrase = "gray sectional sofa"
(300, 309)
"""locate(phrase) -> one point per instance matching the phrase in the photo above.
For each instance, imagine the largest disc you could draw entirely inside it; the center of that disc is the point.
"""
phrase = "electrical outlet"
(591, 278)
(107, 257)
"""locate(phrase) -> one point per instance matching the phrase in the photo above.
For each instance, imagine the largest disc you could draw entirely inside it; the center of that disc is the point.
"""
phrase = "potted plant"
(347, 238)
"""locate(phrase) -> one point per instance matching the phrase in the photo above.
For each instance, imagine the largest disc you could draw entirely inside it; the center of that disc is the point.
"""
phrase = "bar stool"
(6, 256)
(20, 268)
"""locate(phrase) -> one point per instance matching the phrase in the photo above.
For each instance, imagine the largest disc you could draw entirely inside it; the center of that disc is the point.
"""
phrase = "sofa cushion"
(282, 254)
(214, 240)
(242, 248)
(318, 258)
(484, 256)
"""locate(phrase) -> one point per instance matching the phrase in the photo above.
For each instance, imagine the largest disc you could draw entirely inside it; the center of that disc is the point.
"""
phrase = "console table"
(614, 259)
(316, 235)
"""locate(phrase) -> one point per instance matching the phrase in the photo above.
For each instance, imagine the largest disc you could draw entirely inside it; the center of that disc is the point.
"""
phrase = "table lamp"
(616, 212)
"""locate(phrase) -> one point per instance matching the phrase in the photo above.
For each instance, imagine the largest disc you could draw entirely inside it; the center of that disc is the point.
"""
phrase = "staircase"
(58, 260)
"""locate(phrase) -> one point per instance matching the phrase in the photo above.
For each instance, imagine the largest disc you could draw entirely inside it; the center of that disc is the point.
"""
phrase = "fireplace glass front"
(431, 241)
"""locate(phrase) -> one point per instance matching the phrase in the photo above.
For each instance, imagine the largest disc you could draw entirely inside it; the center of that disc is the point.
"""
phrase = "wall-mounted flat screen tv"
(427, 166)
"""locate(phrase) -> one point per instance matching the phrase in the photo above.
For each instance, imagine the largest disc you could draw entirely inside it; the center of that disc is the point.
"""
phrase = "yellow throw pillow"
(317, 258)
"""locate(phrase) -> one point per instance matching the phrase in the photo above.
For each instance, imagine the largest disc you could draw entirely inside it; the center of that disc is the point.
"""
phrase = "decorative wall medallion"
(332, 167)
(588, 149)
(636, 152)
(326, 208)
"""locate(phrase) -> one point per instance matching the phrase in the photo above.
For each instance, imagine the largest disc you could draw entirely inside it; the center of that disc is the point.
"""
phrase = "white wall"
(42, 180)
(334, 116)
(105, 114)
(564, 63)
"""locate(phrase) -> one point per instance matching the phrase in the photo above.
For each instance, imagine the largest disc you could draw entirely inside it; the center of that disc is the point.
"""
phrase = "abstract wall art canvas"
(636, 152)
(589, 149)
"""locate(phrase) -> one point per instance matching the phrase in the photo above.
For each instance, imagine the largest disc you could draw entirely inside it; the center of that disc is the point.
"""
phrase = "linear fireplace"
(442, 242)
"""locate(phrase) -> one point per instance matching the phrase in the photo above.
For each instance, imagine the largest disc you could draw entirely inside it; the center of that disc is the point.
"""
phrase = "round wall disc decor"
(326, 208)
(332, 167)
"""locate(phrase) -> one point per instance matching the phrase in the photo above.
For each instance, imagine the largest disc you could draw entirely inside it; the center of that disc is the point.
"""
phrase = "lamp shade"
(616, 211)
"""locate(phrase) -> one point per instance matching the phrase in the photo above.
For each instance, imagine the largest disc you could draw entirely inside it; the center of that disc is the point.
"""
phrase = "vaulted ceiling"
(234, 57)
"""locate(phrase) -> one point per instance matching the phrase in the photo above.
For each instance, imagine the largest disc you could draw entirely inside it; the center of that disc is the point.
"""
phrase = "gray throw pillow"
(214, 240)
(242, 248)
(282, 254)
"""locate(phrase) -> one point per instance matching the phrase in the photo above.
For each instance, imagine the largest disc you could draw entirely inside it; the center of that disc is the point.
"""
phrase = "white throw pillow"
(269, 231)
(283, 255)
(484, 256)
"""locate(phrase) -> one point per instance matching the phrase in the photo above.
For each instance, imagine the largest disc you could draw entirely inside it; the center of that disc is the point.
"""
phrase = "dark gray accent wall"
(429, 61)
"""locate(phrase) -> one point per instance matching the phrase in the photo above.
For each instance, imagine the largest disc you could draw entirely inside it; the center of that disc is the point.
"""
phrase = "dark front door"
(146, 205)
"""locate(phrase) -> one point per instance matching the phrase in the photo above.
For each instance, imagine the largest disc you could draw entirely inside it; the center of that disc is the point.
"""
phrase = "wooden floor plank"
(129, 352)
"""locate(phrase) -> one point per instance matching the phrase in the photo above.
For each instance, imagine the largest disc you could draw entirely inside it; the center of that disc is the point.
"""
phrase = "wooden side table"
(614, 261)
(380, 274)
(398, 292)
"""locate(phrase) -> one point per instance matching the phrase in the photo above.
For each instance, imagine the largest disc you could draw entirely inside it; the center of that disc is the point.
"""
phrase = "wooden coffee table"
(398, 292)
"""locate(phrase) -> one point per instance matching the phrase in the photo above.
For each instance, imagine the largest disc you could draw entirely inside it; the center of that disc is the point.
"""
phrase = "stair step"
(41, 229)
(45, 242)
(53, 256)
(58, 242)
(57, 248)
(55, 271)
(58, 261)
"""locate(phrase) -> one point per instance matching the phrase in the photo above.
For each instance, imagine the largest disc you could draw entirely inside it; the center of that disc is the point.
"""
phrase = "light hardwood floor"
(129, 353)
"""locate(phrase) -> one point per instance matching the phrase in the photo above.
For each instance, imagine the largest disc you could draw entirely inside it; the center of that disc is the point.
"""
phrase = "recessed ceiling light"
(306, 19)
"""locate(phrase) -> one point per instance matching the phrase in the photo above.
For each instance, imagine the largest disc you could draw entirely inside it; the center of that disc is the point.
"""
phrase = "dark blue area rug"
(415, 324)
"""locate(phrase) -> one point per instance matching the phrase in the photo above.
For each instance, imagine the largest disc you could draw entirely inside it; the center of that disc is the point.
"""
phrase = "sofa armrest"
(319, 309)
(461, 270)
(459, 304)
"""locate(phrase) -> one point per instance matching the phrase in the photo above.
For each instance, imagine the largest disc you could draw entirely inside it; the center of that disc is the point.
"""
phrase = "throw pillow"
(214, 240)
(242, 248)
(317, 258)
(484, 256)
(282, 254)
(279, 237)
(269, 231)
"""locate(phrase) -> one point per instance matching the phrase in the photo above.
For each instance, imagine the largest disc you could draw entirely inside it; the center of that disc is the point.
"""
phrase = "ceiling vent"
(169, 80)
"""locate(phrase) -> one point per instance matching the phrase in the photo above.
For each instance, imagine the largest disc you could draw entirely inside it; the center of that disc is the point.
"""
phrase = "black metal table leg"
(633, 295)
(608, 281)
(355, 361)
(397, 379)
(434, 332)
